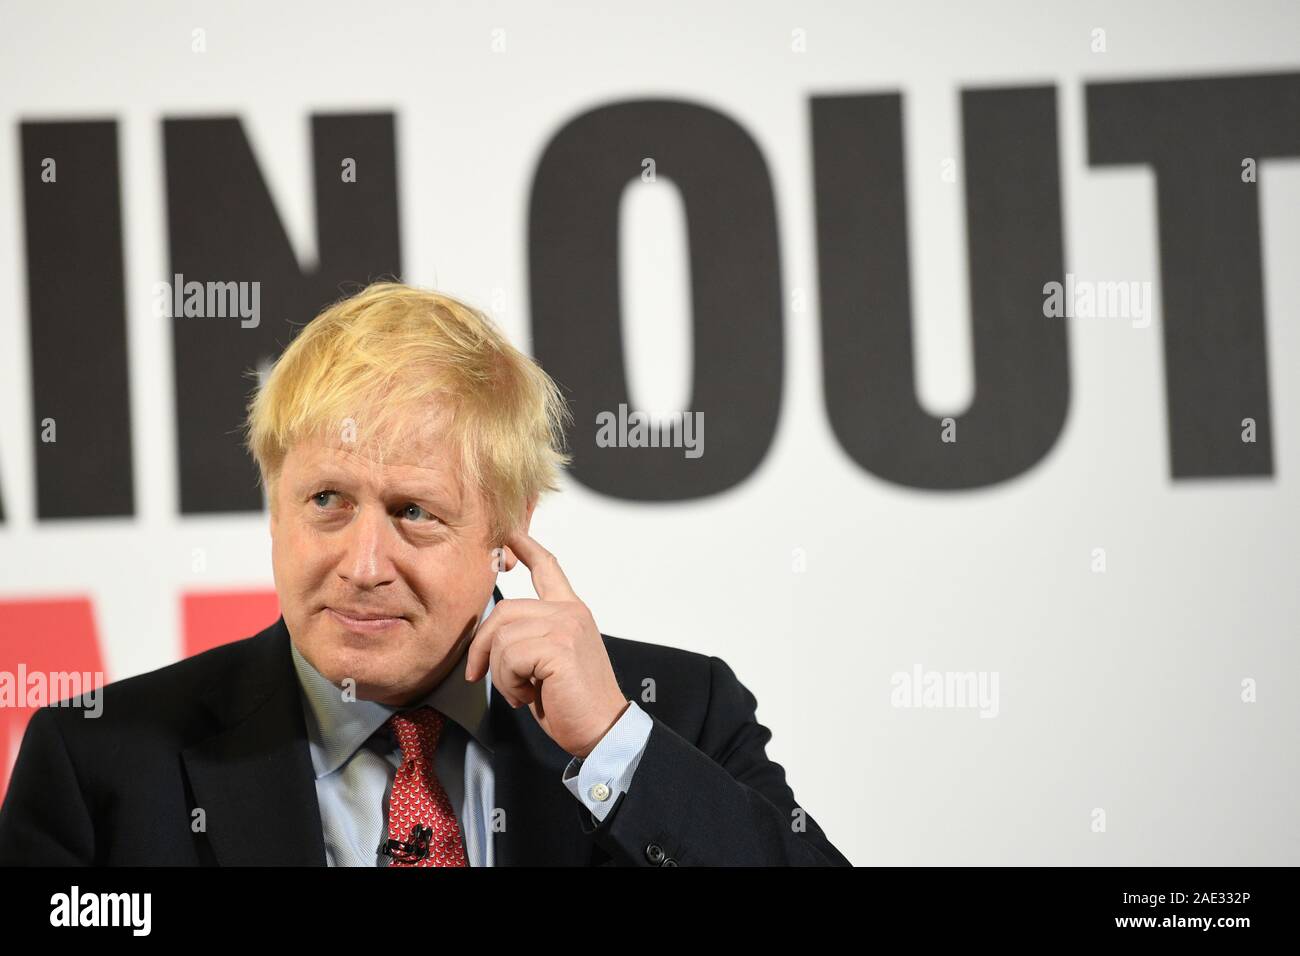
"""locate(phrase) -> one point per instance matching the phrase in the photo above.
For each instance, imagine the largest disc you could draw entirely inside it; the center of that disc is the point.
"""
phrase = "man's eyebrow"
(416, 489)
(406, 488)
(321, 478)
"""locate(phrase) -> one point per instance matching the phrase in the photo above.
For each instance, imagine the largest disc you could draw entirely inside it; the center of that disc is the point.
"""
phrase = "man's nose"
(367, 561)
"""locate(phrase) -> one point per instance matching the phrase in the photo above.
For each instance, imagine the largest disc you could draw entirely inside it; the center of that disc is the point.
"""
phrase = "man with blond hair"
(401, 712)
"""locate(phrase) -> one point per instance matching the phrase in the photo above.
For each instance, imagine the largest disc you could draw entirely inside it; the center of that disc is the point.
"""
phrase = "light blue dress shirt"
(354, 765)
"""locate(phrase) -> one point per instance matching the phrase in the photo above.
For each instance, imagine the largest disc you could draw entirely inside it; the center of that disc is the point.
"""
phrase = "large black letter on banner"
(735, 290)
(1195, 134)
(1013, 218)
(224, 228)
(77, 320)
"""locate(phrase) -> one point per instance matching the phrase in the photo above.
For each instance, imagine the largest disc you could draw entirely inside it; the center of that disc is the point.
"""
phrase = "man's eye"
(411, 511)
(414, 511)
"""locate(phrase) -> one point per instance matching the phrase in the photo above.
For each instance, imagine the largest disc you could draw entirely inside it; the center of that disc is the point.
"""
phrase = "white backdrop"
(1118, 690)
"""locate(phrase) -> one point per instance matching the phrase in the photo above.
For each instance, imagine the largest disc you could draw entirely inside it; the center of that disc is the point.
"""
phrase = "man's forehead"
(423, 460)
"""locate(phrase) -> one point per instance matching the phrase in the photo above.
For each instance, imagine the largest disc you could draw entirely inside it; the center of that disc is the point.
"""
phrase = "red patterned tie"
(422, 828)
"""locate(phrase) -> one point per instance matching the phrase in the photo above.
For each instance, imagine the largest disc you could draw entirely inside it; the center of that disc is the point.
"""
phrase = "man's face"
(382, 569)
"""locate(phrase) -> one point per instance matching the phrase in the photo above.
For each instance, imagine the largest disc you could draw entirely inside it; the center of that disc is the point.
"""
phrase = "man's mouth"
(364, 622)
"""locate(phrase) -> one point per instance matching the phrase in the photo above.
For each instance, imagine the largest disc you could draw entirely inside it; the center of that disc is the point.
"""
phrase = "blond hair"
(376, 362)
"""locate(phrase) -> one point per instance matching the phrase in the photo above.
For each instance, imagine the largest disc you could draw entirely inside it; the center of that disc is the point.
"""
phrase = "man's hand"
(549, 654)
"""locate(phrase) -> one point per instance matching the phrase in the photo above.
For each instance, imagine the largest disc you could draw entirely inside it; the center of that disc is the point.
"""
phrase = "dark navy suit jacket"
(224, 731)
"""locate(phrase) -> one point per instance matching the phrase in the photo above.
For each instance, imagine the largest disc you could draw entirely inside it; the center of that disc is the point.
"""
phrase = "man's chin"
(367, 682)
(370, 675)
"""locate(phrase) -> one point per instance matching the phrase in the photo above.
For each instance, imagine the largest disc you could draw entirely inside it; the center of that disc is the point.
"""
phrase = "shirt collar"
(336, 728)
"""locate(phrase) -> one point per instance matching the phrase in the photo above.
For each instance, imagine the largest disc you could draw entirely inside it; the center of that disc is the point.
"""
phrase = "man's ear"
(508, 557)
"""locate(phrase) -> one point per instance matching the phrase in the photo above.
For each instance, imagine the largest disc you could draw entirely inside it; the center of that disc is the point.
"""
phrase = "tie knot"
(417, 732)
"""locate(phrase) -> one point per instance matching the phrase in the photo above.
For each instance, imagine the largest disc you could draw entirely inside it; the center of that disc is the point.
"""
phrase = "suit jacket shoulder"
(123, 787)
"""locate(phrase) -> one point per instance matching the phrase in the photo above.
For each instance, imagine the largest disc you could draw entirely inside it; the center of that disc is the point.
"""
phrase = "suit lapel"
(542, 818)
(253, 778)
